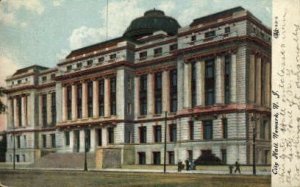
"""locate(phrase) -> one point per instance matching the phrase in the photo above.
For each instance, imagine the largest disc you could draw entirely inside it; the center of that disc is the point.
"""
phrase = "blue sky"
(44, 31)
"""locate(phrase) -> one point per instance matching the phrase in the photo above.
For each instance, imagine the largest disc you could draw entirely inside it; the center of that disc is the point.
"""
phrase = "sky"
(43, 32)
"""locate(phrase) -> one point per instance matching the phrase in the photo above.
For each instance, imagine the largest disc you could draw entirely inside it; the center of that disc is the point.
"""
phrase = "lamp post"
(165, 147)
(85, 150)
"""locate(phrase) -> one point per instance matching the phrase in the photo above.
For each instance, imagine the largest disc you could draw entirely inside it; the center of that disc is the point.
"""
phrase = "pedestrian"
(187, 164)
(237, 167)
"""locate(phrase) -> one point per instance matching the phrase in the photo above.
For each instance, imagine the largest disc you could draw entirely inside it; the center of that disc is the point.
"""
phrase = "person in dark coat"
(237, 167)
(187, 164)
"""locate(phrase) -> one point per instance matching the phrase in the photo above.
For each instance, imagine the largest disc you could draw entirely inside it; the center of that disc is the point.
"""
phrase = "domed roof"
(153, 20)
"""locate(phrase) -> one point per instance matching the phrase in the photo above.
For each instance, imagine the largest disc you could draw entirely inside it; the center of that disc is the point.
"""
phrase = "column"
(49, 111)
(93, 139)
(137, 96)
(81, 141)
(268, 84)
(95, 98)
(71, 140)
(219, 68)
(233, 79)
(24, 110)
(150, 93)
(104, 136)
(106, 97)
(258, 81)
(74, 102)
(41, 109)
(251, 82)
(200, 85)
(64, 103)
(187, 85)
(166, 90)
(84, 100)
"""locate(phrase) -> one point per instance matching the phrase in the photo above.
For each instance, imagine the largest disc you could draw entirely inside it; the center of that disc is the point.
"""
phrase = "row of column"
(150, 93)
(259, 77)
(85, 100)
(18, 117)
(219, 65)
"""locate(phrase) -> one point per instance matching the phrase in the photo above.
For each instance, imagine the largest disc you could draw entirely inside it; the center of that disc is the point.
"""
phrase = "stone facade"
(113, 95)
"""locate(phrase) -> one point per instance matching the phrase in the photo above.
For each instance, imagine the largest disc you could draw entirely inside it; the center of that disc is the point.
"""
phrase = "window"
(143, 95)
(99, 135)
(53, 107)
(173, 90)
(142, 158)
(263, 126)
(157, 133)
(69, 68)
(227, 30)
(24, 158)
(89, 62)
(79, 65)
(25, 142)
(193, 38)
(191, 130)
(44, 109)
(207, 130)
(52, 76)
(210, 34)
(112, 56)
(143, 55)
(19, 81)
(225, 128)
(158, 92)
(52, 140)
(44, 141)
(173, 132)
(158, 51)
(227, 79)
(101, 97)
(190, 154)
(224, 156)
(171, 157)
(113, 96)
(79, 101)
(87, 137)
(69, 102)
(19, 107)
(44, 78)
(209, 82)
(156, 158)
(143, 134)
(110, 135)
(18, 142)
(90, 98)
(173, 47)
(263, 82)
(100, 59)
(193, 85)
(67, 138)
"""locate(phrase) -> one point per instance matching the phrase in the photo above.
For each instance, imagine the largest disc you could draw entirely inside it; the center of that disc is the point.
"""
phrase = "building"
(212, 77)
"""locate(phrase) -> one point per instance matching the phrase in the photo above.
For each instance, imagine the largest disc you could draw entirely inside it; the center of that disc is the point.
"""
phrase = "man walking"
(237, 167)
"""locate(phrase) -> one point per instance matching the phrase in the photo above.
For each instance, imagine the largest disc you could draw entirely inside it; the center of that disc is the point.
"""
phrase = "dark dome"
(153, 20)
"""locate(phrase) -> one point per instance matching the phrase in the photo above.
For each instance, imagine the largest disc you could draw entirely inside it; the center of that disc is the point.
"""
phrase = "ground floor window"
(156, 158)
(67, 138)
(224, 156)
(52, 140)
(171, 157)
(110, 135)
(190, 154)
(99, 135)
(44, 140)
(17, 158)
(142, 158)
(23, 158)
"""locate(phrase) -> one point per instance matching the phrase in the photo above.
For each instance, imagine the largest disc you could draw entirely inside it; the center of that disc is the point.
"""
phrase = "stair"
(65, 160)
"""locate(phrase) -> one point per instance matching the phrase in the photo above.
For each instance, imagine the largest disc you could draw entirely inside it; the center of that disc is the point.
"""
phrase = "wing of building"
(212, 78)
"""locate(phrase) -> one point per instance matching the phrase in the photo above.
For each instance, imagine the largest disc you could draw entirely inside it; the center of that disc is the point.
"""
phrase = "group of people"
(189, 165)
(237, 168)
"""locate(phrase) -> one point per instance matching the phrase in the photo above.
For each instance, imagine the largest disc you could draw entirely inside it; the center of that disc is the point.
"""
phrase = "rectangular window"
(193, 85)
(19, 81)
(158, 51)
(173, 132)
(143, 55)
(171, 157)
(173, 90)
(44, 78)
(79, 65)
(112, 56)
(191, 130)
(44, 109)
(87, 134)
(210, 34)
(89, 62)
(100, 60)
(90, 98)
(53, 107)
(113, 96)
(207, 130)
(173, 47)
(227, 30)
(69, 68)
(263, 129)
(225, 128)
(67, 138)
(99, 135)
(79, 101)
(19, 105)
(44, 141)
(158, 92)
(142, 158)
(224, 156)
(193, 38)
(18, 142)
(156, 158)
(157, 133)
(209, 82)
(143, 134)
(52, 140)
(111, 135)
(143, 95)
(69, 102)
(227, 78)
(101, 97)
(25, 142)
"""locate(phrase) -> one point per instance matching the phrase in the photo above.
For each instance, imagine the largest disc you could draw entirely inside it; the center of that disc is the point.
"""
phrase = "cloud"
(62, 54)
(9, 9)
(167, 6)
(8, 67)
(57, 2)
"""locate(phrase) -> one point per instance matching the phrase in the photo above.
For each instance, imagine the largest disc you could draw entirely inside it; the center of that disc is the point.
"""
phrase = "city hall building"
(206, 84)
